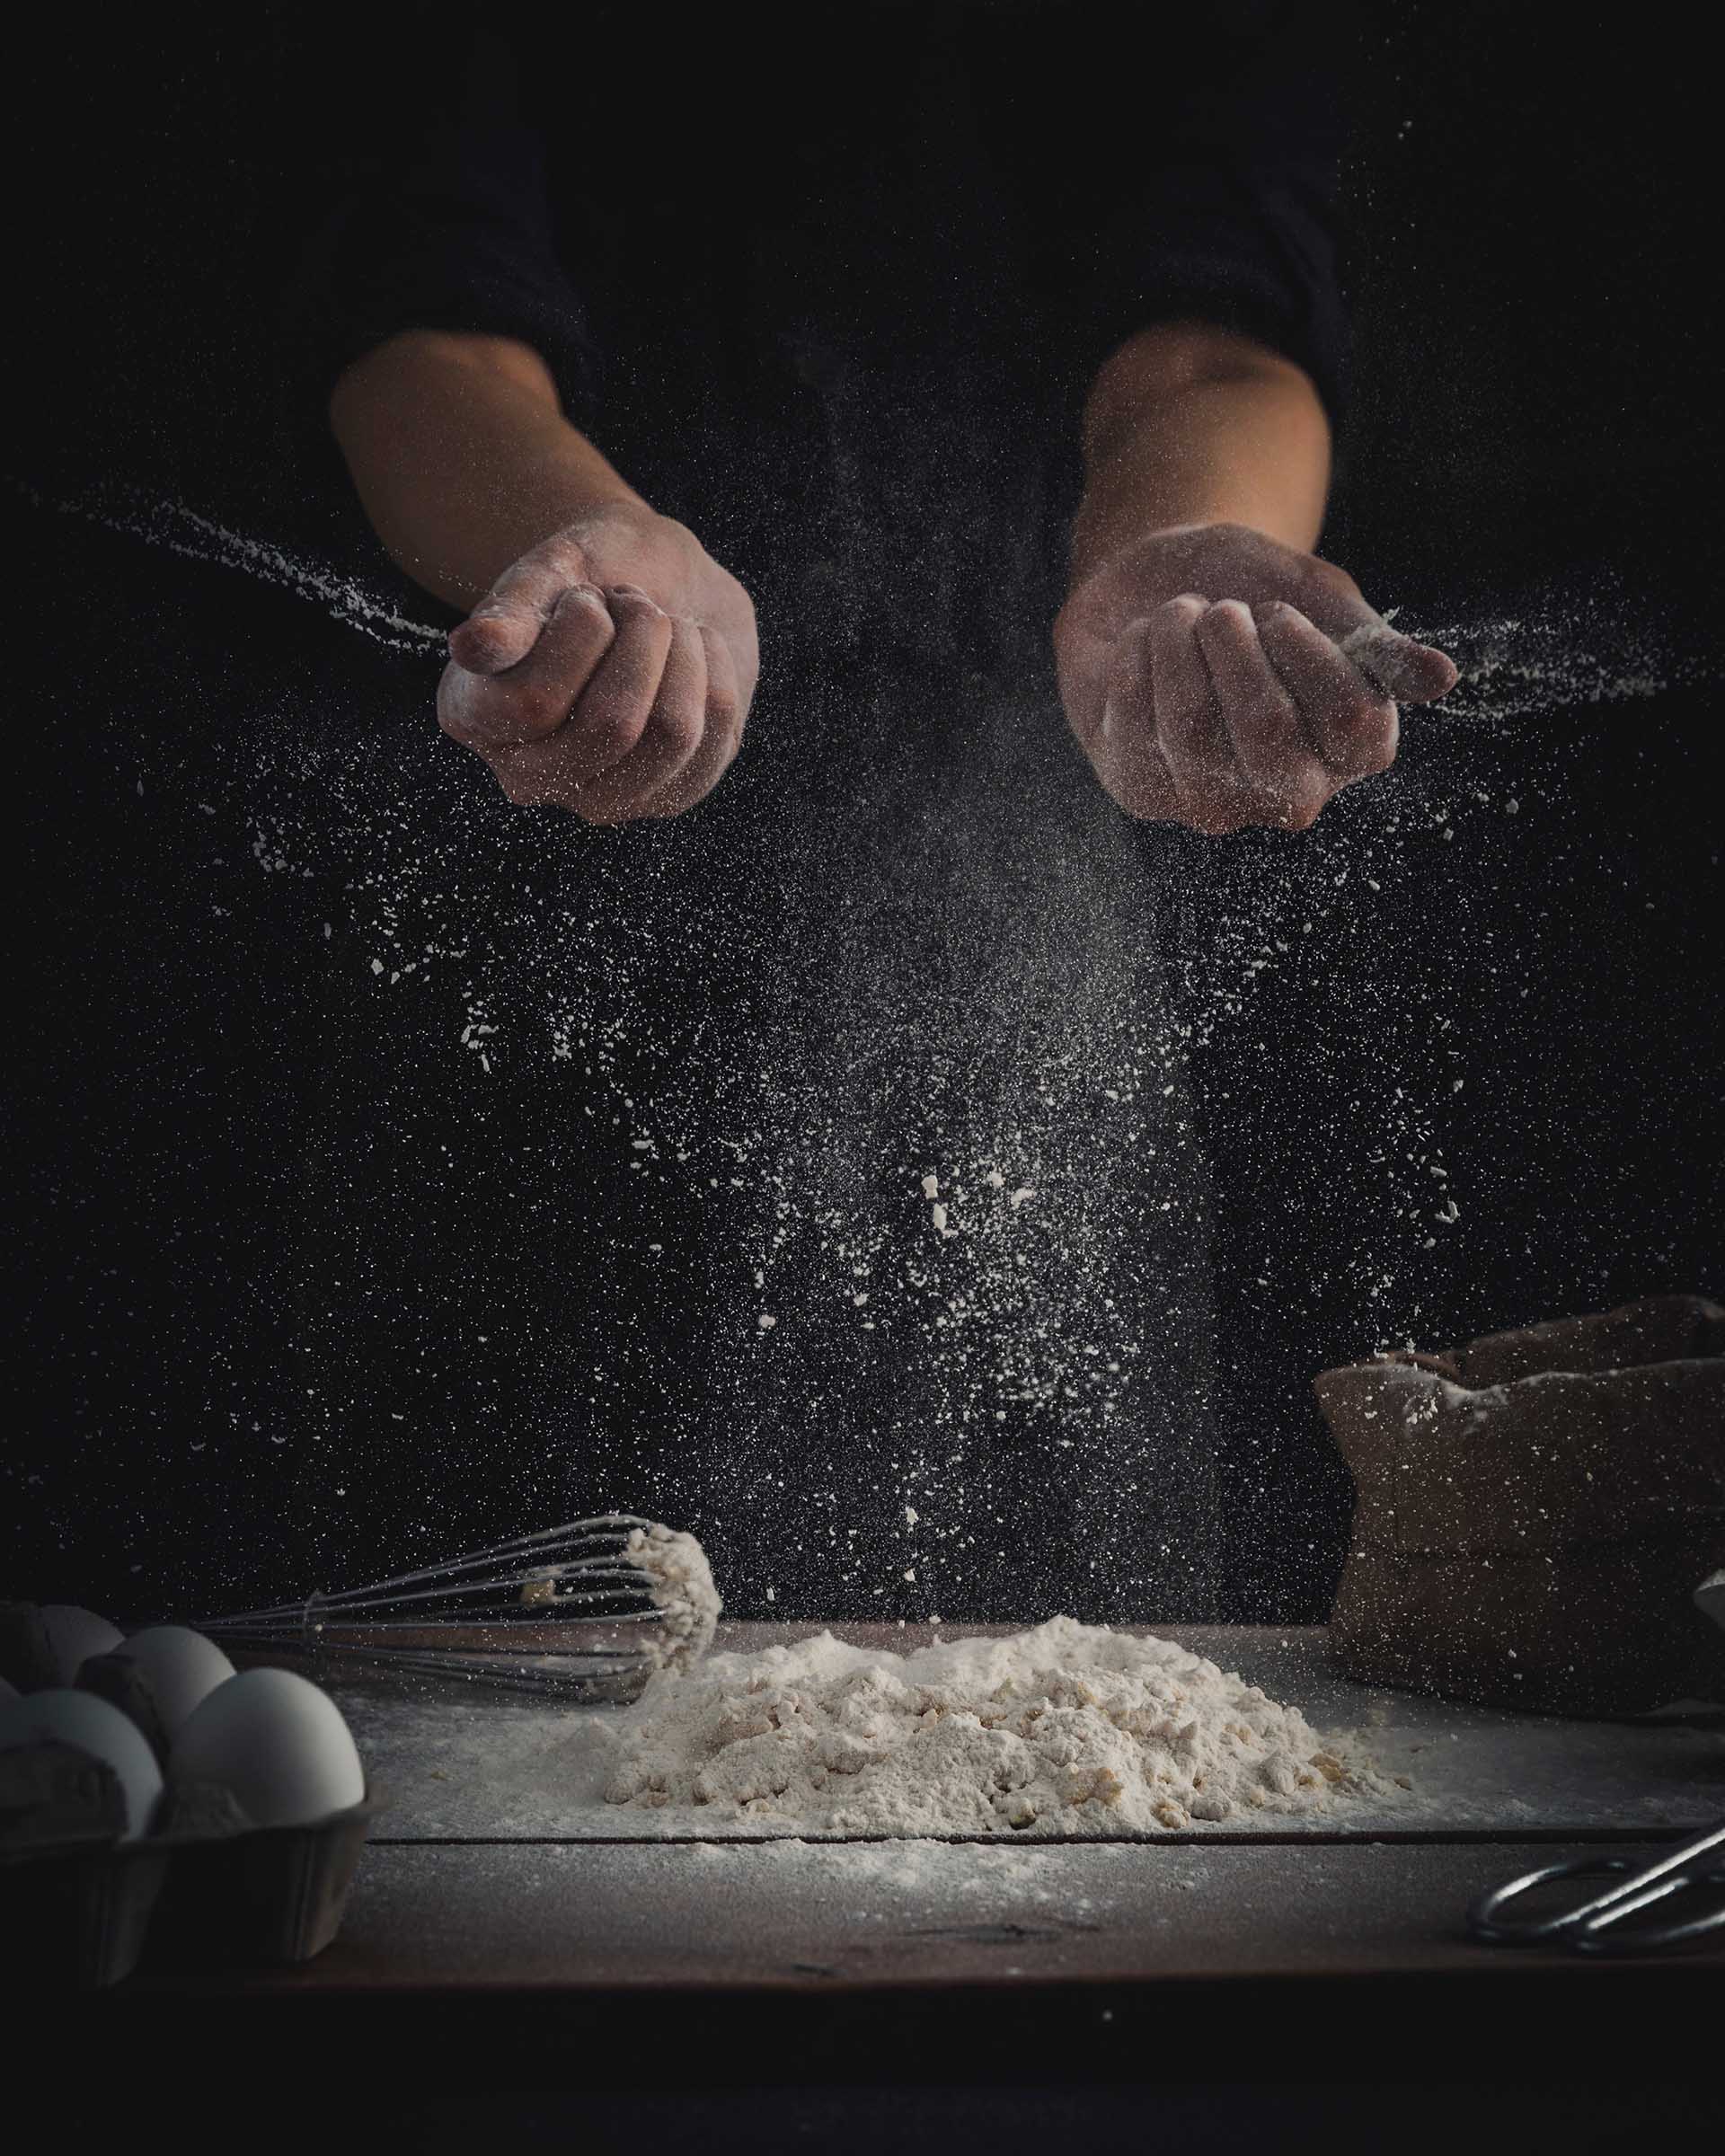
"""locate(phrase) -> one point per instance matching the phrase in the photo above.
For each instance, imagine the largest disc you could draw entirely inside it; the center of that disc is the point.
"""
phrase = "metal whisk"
(587, 1609)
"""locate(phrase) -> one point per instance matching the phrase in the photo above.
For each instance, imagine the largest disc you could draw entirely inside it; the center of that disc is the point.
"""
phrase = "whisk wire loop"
(566, 1609)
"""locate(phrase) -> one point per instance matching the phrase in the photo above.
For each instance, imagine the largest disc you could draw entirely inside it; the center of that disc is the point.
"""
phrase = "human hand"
(1218, 678)
(608, 671)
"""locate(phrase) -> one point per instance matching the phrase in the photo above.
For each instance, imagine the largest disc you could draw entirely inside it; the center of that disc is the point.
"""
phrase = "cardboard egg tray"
(77, 1903)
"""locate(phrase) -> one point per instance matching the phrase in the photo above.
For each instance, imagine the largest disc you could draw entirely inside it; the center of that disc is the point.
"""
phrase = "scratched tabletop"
(469, 1763)
(497, 1870)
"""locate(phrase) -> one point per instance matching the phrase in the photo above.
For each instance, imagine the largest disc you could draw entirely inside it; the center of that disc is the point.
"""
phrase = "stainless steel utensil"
(589, 1609)
(1605, 1923)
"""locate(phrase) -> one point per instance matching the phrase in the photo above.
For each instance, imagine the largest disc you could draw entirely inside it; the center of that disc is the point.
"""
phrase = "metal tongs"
(1604, 1924)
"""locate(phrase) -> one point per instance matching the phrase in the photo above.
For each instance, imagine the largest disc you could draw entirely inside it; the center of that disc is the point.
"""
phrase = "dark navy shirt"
(711, 222)
(829, 284)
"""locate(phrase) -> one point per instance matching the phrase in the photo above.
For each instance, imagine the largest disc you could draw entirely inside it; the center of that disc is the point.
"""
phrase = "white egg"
(80, 1719)
(180, 1667)
(74, 1635)
(278, 1742)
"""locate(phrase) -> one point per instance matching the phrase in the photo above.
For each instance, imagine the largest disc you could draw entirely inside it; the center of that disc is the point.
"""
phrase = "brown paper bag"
(1534, 1511)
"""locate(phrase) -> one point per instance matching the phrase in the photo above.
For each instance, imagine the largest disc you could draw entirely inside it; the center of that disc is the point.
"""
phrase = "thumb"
(505, 625)
(493, 638)
(1402, 668)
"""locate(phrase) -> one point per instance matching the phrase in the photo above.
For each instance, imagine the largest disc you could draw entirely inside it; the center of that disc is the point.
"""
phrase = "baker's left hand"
(1204, 673)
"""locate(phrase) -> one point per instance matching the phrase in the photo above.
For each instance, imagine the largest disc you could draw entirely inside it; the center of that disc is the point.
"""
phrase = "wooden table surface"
(500, 1907)
(496, 1864)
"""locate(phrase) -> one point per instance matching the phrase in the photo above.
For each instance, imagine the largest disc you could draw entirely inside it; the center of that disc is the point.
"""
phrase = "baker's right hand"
(608, 671)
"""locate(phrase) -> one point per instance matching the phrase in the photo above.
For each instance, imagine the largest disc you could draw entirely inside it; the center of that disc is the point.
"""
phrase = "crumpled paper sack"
(1536, 1511)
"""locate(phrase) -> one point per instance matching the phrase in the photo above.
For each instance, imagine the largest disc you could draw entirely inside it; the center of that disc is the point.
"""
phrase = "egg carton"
(79, 1900)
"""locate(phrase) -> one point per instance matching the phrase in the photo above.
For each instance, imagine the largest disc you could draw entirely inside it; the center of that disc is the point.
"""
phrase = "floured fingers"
(1353, 724)
(529, 700)
(602, 723)
(1280, 772)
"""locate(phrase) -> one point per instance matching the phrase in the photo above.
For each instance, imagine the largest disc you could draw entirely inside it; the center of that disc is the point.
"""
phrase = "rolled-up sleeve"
(1248, 246)
(441, 222)
(1199, 178)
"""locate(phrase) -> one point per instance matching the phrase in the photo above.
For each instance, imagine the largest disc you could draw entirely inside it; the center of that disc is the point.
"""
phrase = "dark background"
(1532, 437)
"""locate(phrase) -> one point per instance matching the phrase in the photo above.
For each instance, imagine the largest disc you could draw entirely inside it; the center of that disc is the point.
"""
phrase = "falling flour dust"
(1067, 1730)
(181, 530)
(942, 1160)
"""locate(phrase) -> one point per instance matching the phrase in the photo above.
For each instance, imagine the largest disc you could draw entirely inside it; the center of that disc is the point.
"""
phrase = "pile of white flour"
(1070, 1728)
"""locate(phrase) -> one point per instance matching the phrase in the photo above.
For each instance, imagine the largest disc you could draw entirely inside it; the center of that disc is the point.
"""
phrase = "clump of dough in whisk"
(680, 1581)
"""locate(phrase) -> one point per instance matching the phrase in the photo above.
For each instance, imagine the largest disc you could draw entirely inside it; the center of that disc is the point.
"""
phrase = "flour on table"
(680, 1582)
(1069, 1728)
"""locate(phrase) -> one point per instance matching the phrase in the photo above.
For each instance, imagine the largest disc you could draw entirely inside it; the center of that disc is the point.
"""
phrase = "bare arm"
(1200, 648)
(1187, 425)
(607, 663)
(463, 458)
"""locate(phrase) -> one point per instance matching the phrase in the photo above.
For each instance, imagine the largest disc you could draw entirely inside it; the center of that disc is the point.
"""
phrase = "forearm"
(462, 457)
(1189, 425)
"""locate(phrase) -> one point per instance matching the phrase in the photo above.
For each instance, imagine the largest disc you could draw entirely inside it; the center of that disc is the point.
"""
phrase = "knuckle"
(561, 553)
(582, 610)
(1180, 611)
(602, 747)
(1284, 629)
(680, 727)
(725, 711)
(630, 598)
(620, 731)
